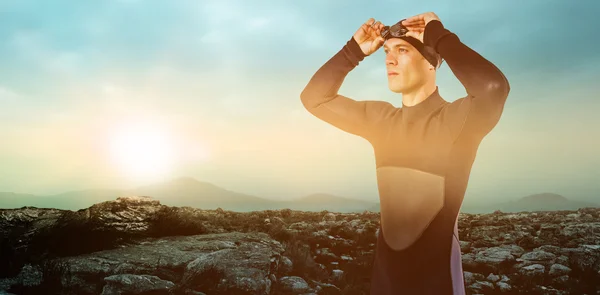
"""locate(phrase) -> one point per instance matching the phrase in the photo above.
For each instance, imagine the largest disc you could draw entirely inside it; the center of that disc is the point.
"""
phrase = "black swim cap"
(427, 51)
(399, 31)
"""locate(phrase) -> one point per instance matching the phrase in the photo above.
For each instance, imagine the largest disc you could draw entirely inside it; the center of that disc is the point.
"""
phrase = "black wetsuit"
(431, 146)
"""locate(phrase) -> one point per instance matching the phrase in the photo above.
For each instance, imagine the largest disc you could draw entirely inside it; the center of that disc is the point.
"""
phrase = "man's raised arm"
(486, 86)
(321, 98)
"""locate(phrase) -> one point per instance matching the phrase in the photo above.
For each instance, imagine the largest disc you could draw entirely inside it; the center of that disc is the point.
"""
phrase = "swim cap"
(427, 51)
(399, 31)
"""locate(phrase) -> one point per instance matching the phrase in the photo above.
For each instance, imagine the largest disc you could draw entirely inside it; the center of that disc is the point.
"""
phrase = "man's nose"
(390, 59)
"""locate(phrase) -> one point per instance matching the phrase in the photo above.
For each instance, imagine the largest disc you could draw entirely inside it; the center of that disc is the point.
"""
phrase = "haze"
(119, 94)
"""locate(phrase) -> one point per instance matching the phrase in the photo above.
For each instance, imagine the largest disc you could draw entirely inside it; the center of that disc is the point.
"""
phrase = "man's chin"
(395, 88)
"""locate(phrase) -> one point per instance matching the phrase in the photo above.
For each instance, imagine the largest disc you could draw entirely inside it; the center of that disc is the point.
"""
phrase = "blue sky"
(223, 79)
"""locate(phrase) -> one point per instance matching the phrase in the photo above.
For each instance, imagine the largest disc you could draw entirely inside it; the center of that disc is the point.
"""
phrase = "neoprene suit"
(424, 154)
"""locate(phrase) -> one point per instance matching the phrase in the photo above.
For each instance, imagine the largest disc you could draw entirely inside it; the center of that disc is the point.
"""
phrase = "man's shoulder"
(380, 108)
(453, 114)
(381, 104)
(458, 106)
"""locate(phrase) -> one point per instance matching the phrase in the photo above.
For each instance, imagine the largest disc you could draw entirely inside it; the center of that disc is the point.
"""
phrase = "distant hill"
(375, 208)
(186, 191)
(73, 200)
(16, 200)
(535, 202)
(544, 202)
(319, 202)
(190, 192)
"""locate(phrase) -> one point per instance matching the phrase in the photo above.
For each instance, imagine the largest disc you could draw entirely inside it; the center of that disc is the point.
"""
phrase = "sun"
(142, 151)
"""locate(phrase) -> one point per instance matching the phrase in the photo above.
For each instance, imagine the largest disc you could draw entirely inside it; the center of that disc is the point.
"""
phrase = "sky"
(121, 93)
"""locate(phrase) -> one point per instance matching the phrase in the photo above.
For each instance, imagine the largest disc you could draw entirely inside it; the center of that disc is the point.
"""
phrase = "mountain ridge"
(188, 191)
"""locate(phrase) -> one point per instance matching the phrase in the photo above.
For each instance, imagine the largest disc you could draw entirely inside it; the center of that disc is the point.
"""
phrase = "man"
(424, 150)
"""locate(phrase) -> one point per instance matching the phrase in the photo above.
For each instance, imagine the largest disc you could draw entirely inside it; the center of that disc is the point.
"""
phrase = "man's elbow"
(306, 99)
(498, 88)
(311, 100)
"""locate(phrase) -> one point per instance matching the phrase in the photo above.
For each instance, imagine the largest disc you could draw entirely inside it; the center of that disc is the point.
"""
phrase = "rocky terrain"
(135, 245)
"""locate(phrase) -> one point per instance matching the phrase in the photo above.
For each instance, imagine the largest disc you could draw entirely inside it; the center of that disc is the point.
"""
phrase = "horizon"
(468, 203)
(93, 98)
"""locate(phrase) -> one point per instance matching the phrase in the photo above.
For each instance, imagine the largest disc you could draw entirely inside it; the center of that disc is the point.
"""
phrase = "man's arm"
(486, 86)
(321, 98)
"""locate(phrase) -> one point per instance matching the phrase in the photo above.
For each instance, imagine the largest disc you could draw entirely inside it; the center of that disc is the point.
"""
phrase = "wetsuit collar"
(412, 113)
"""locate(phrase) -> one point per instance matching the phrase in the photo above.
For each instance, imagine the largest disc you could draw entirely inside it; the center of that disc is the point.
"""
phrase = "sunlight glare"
(142, 151)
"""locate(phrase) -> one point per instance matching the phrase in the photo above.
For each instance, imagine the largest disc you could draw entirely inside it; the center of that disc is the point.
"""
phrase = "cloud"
(7, 96)
(33, 47)
(258, 25)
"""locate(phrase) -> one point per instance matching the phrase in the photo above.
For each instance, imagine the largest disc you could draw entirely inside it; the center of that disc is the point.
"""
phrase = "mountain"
(544, 202)
(319, 202)
(73, 200)
(185, 191)
(535, 202)
(16, 200)
(375, 208)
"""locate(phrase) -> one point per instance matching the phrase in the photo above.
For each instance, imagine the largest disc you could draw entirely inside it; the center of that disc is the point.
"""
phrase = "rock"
(581, 231)
(495, 258)
(246, 267)
(326, 289)
(561, 280)
(482, 287)
(562, 259)
(127, 214)
(277, 221)
(245, 259)
(300, 226)
(549, 290)
(134, 284)
(559, 270)
(539, 257)
(549, 231)
(293, 285)
(493, 278)
(329, 217)
(533, 270)
(329, 289)
(337, 274)
(471, 278)
(325, 256)
(549, 248)
(562, 249)
(503, 287)
(468, 261)
(30, 275)
(584, 257)
(465, 247)
(6, 283)
(285, 266)
(514, 250)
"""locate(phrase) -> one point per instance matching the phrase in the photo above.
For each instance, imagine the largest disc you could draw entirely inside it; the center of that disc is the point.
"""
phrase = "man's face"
(406, 66)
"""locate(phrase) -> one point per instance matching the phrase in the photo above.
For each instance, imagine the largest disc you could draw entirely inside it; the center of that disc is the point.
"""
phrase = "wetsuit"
(423, 154)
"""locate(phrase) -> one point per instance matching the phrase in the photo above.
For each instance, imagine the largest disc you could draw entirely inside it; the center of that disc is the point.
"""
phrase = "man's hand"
(416, 24)
(369, 37)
